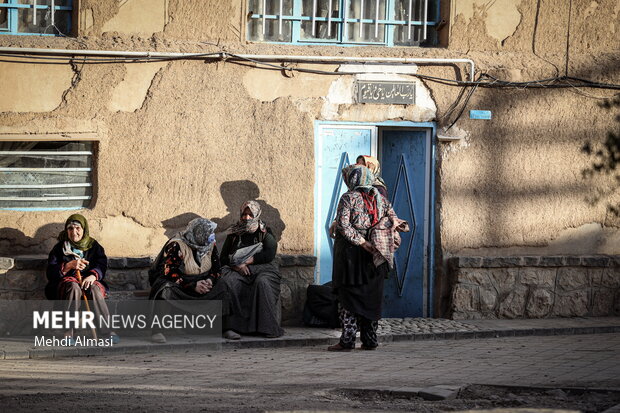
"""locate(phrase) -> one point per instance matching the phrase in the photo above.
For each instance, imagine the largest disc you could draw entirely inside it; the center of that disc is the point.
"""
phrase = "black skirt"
(356, 280)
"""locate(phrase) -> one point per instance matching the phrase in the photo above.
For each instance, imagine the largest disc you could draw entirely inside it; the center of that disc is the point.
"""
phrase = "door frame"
(429, 300)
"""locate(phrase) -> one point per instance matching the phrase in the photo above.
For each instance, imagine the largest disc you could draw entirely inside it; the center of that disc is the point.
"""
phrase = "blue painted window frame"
(12, 7)
(389, 25)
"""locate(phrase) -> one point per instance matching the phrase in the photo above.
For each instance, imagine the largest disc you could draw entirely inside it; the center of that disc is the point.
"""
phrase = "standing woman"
(252, 277)
(363, 253)
(77, 251)
(372, 163)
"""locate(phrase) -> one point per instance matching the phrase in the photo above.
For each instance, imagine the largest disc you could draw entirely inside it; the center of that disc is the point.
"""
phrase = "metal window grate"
(42, 17)
(45, 175)
(346, 22)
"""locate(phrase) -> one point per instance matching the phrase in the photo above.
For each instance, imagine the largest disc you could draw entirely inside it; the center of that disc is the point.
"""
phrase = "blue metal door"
(336, 147)
(405, 164)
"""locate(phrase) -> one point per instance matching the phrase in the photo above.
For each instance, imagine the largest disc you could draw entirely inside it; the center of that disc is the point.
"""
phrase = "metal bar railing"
(44, 198)
(329, 19)
(280, 17)
(264, 15)
(46, 186)
(361, 19)
(34, 12)
(26, 153)
(425, 19)
(52, 10)
(377, 18)
(314, 18)
(409, 20)
(45, 169)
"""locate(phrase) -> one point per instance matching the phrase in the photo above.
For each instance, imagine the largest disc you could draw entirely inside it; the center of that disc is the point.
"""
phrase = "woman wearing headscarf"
(252, 276)
(371, 163)
(187, 268)
(76, 251)
(363, 253)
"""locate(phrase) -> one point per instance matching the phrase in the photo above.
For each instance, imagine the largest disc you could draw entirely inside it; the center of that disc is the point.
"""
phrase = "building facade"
(169, 109)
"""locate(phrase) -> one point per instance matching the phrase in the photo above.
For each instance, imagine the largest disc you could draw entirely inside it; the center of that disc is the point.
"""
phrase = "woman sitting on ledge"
(252, 277)
(76, 256)
(188, 268)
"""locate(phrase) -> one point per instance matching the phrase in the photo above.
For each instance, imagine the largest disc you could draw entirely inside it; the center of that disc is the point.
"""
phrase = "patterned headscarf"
(86, 242)
(372, 163)
(358, 177)
(250, 226)
(199, 235)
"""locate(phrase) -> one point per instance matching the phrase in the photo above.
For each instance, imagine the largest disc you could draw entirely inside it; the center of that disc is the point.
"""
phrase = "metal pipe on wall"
(229, 56)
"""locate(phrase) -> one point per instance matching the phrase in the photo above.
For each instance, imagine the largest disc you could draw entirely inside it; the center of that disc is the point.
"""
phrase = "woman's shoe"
(158, 338)
(231, 335)
(339, 347)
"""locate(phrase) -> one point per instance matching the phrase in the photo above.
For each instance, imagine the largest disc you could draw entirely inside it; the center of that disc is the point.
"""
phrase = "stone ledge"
(535, 261)
(38, 262)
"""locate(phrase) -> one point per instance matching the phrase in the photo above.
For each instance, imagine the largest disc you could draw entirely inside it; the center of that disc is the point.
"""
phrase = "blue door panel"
(404, 169)
(337, 147)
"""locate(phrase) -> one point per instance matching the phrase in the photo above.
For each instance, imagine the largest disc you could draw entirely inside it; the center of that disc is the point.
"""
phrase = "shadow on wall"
(234, 194)
(15, 242)
(501, 201)
(177, 224)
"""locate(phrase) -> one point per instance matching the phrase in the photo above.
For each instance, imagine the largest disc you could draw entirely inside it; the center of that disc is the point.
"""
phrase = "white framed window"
(46, 175)
(42, 17)
(345, 22)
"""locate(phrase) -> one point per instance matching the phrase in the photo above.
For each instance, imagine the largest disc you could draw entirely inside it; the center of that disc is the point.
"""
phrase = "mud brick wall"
(23, 278)
(534, 286)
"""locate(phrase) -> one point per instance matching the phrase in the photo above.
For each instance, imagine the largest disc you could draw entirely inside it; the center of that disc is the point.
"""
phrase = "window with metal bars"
(42, 17)
(47, 175)
(346, 22)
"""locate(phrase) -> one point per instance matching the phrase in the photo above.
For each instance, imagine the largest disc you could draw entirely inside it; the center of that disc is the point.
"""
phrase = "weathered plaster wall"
(189, 137)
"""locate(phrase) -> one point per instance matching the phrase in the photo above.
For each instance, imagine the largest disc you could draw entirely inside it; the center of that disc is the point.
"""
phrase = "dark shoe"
(365, 347)
(231, 335)
(339, 347)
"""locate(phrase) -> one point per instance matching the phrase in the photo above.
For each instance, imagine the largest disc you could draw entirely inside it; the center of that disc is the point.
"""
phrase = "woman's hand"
(332, 230)
(79, 264)
(204, 286)
(241, 269)
(368, 247)
(88, 281)
(249, 261)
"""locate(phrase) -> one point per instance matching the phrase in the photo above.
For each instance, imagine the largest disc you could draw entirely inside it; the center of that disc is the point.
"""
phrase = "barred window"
(372, 22)
(43, 17)
(46, 175)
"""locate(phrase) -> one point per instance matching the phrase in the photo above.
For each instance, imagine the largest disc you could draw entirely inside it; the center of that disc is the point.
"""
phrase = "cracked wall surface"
(187, 138)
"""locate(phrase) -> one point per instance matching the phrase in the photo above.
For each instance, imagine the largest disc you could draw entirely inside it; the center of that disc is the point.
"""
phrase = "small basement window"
(42, 17)
(48, 175)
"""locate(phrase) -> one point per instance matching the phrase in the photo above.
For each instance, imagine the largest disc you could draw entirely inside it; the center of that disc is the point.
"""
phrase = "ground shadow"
(234, 194)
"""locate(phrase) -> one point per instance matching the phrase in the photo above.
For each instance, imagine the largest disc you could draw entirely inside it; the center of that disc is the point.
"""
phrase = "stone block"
(595, 275)
(538, 277)
(551, 261)
(539, 303)
(573, 304)
(595, 261)
(117, 263)
(570, 279)
(531, 261)
(24, 280)
(30, 263)
(464, 299)
(602, 302)
(286, 260)
(488, 297)
(477, 276)
(572, 261)
(306, 260)
(610, 277)
(139, 262)
(6, 263)
(468, 262)
(503, 279)
(501, 262)
(513, 305)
